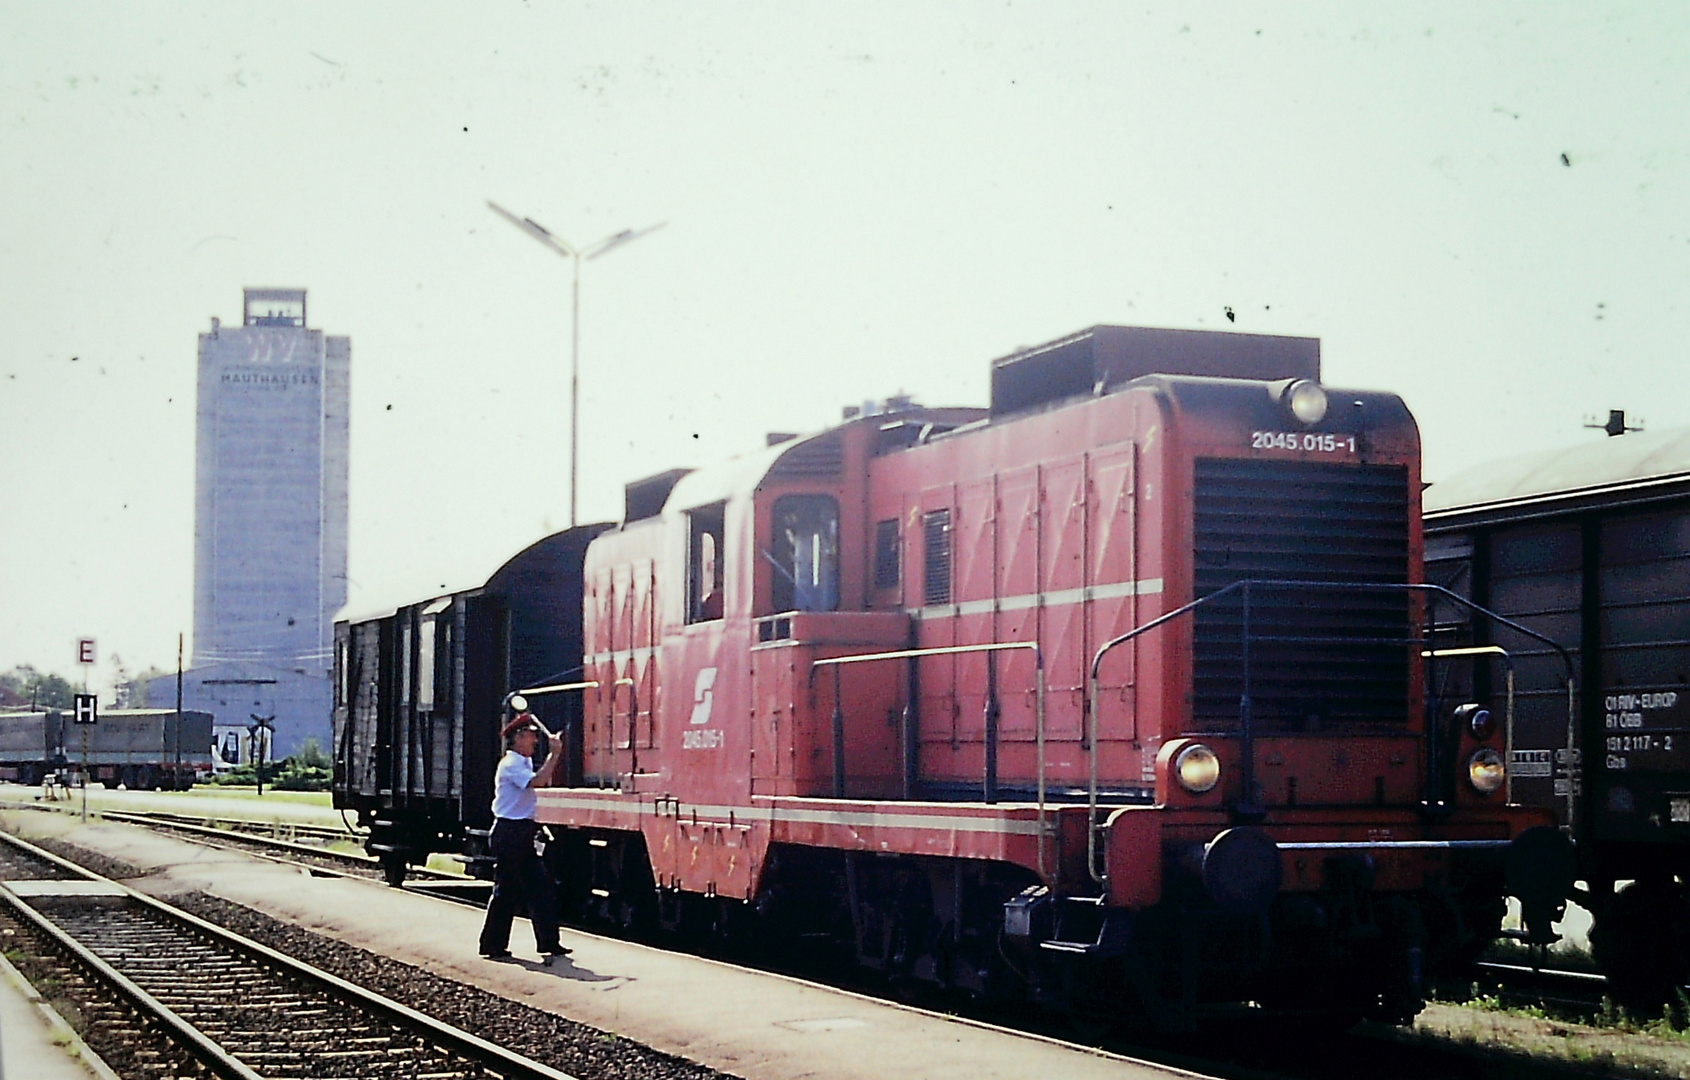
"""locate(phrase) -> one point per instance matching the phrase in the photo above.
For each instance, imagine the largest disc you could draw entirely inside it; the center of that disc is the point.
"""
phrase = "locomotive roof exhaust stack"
(897, 403)
(1103, 357)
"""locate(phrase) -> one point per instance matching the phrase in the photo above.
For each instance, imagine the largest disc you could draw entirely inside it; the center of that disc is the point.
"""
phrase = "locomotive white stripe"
(622, 656)
(722, 815)
(1142, 587)
(1023, 602)
(954, 823)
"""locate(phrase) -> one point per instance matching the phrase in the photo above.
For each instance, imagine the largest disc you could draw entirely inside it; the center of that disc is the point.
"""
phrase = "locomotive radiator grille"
(1318, 656)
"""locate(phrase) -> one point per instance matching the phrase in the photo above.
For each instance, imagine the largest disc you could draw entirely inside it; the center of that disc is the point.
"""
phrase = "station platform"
(36, 1045)
(751, 1024)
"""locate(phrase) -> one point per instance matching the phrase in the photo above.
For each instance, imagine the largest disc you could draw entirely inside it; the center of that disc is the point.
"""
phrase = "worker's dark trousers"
(520, 882)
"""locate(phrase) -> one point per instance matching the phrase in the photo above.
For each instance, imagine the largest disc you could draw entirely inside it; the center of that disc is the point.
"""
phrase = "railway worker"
(519, 877)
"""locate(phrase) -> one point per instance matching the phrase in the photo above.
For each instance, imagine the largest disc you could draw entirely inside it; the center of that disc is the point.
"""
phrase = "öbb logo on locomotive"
(703, 702)
(985, 715)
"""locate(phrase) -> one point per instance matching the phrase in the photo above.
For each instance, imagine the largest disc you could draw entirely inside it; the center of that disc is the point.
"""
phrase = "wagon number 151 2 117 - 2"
(1303, 440)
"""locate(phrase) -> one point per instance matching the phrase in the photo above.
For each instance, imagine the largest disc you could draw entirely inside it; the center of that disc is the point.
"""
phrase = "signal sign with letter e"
(85, 650)
(87, 708)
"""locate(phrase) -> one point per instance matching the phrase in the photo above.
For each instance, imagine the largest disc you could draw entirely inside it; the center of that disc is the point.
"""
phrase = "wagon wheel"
(394, 868)
(1641, 941)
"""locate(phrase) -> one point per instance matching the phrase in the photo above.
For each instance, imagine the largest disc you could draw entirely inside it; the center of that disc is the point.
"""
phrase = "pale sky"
(1482, 207)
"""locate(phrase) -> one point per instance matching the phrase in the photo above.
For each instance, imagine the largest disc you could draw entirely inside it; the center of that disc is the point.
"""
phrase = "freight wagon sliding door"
(433, 749)
(1640, 769)
(356, 750)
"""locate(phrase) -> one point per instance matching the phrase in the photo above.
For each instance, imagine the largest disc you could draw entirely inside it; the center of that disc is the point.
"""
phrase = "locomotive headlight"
(1197, 768)
(1307, 401)
(1486, 771)
(1477, 720)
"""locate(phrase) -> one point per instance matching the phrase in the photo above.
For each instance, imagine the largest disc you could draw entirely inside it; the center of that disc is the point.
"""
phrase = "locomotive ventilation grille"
(1319, 657)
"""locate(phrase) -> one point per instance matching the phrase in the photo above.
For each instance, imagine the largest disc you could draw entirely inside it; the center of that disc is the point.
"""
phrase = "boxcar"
(419, 688)
(1591, 546)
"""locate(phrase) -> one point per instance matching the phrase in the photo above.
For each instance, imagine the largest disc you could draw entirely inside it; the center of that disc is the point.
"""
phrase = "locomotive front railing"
(1246, 727)
(993, 711)
(610, 726)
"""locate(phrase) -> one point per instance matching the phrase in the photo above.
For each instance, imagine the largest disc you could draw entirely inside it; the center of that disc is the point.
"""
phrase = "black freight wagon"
(419, 696)
(1591, 546)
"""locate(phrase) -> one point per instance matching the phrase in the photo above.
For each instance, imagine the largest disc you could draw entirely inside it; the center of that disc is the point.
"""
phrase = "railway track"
(282, 842)
(296, 832)
(1245, 1051)
(175, 995)
(1581, 993)
(1574, 993)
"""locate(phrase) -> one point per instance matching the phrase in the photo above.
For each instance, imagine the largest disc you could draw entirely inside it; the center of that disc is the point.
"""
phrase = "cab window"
(704, 562)
(805, 553)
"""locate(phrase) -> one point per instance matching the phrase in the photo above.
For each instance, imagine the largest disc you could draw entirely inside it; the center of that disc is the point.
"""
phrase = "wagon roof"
(1633, 463)
(387, 598)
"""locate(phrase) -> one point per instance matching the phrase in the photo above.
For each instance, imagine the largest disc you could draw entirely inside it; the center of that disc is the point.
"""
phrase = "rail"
(992, 713)
(1246, 727)
(129, 967)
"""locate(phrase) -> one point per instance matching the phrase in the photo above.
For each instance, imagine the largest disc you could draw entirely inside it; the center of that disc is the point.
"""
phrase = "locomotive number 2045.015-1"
(1320, 442)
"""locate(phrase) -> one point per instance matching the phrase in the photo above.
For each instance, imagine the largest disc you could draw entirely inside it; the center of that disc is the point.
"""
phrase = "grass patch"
(237, 791)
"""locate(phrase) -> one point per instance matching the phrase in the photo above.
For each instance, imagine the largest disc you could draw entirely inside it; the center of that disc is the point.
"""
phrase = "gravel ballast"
(578, 1049)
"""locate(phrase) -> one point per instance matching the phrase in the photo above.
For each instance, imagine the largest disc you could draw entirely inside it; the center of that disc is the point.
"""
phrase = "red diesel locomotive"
(1109, 695)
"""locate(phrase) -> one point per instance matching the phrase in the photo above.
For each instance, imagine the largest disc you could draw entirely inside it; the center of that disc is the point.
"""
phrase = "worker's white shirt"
(512, 797)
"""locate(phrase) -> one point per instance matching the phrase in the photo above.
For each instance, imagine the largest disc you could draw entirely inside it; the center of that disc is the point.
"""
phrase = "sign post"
(262, 729)
(176, 769)
(85, 657)
(86, 713)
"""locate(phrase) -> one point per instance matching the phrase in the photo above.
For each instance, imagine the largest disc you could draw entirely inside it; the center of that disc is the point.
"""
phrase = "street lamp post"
(589, 253)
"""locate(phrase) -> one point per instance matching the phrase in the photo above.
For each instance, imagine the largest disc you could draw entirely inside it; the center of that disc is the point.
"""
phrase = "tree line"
(26, 685)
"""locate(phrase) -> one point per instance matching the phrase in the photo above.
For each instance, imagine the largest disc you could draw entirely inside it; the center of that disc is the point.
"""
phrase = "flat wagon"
(135, 748)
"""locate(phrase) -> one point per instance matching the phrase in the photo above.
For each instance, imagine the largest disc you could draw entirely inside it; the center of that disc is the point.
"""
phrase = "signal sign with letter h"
(87, 708)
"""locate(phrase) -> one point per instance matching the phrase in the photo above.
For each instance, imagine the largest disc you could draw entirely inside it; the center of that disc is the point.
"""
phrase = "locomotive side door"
(773, 762)
(1062, 604)
(929, 594)
(1115, 608)
(1017, 588)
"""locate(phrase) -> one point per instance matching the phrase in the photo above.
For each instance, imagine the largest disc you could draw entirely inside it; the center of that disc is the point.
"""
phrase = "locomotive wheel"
(1641, 941)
